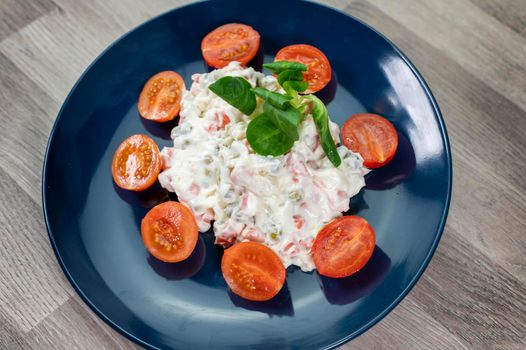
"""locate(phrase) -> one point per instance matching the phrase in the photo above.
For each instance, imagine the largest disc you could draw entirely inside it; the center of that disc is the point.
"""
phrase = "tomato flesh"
(136, 163)
(160, 99)
(169, 231)
(253, 271)
(371, 135)
(319, 71)
(230, 42)
(343, 246)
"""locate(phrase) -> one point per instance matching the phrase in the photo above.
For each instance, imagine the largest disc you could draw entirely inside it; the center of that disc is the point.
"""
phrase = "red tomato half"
(371, 135)
(230, 42)
(136, 163)
(343, 246)
(169, 231)
(253, 271)
(318, 72)
(160, 99)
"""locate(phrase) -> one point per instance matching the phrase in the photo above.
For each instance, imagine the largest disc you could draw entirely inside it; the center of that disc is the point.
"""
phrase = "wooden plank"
(474, 298)
(404, 329)
(16, 14)
(10, 334)
(26, 122)
(72, 326)
(54, 50)
(480, 43)
(31, 283)
(337, 4)
(488, 147)
(115, 16)
(16, 344)
(510, 12)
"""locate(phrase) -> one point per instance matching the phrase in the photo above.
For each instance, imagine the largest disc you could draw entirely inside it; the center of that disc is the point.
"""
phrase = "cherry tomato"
(343, 246)
(371, 135)
(253, 271)
(318, 73)
(169, 231)
(160, 98)
(136, 163)
(230, 42)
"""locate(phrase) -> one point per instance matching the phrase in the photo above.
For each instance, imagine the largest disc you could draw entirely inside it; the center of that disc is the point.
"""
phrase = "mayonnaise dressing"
(280, 201)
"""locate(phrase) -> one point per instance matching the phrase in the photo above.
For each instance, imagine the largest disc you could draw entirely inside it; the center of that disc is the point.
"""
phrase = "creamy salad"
(280, 201)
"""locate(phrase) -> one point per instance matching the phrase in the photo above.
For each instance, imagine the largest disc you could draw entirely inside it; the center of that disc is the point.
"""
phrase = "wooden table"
(471, 52)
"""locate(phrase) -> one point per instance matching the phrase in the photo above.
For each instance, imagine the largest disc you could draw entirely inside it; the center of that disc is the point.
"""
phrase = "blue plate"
(94, 227)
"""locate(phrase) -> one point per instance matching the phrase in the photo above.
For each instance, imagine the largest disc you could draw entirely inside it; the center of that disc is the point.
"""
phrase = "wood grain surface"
(471, 52)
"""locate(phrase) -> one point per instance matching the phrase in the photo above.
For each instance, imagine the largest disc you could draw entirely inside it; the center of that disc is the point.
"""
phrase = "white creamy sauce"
(280, 201)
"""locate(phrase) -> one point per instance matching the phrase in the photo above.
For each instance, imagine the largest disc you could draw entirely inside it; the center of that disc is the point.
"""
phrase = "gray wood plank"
(10, 334)
(54, 50)
(16, 14)
(337, 4)
(408, 327)
(72, 326)
(510, 12)
(31, 283)
(26, 122)
(484, 46)
(474, 298)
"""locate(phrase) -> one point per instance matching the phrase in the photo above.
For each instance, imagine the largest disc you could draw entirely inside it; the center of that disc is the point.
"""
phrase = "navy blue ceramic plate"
(94, 227)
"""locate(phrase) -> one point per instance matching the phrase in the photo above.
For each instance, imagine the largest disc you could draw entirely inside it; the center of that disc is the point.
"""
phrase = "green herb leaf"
(321, 119)
(286, 75)
(266, 138)
(279, 66)
(298, 86)
(292, 80)
(276, 99)
(287, 120)
(237, 92)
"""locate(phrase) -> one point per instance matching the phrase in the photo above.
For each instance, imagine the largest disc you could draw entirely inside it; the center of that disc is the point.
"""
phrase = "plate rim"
(438, 235)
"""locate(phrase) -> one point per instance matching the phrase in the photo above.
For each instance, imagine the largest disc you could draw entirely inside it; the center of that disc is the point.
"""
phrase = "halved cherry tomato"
(253, 271)
(160, 98)
(343, 246)
(371, 135)
(169, 231)
(136, 163)
(230, 42)
(318, 72)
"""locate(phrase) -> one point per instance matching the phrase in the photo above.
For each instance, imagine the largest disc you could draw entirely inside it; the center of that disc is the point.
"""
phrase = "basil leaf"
(321, 119)
(277, 67)
(276, 99)
(287, 120)
(237, 92)
(267, 139)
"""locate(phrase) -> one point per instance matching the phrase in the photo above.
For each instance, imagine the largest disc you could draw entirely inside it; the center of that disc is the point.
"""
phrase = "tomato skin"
(343, 246)
(230, 42)
(169, 231)
(319, 71)
(136, 163)
(371, 135)
(160, 98)
(253, 271)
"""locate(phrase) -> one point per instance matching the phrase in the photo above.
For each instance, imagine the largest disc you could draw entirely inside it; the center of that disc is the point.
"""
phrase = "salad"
(257, 158)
